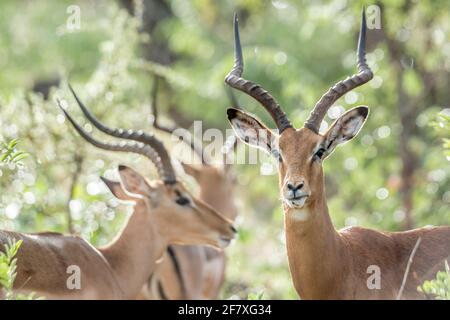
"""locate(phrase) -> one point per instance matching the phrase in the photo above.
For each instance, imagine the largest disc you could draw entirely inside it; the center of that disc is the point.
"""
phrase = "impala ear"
(191, 170)
(133, 183)
(251, 131)
(345, 128)
(117, 190)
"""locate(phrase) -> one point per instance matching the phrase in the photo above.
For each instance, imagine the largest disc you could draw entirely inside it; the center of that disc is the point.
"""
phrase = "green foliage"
(8, 272)
(442, 127)
(438, 288)
(256, 295)
(295, 49)
(35, 197)
(8, 265)
(9, 153)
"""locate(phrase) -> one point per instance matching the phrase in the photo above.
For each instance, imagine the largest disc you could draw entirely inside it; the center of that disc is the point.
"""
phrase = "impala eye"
(182, 200)
(319, 153)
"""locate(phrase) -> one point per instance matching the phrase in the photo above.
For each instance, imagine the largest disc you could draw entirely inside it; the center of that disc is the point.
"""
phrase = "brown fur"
(329, 264)
(118, 270)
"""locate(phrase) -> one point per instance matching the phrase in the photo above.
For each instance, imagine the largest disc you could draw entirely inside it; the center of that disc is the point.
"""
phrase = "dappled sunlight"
(394, 175)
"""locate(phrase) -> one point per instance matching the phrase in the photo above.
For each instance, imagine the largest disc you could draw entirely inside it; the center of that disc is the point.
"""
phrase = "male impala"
(325, 263)
(194, 272)
(164, 213)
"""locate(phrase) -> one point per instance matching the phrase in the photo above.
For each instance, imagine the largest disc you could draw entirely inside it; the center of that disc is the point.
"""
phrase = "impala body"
(43, 261)
(194, 272)
(326, 263)
(164, 213)
(217, 189)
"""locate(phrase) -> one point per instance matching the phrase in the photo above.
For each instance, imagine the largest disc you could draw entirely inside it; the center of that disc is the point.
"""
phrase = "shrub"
(438, 288)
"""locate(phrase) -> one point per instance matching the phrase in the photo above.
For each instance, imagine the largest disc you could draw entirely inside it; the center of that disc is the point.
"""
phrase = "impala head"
(178, 216)
(300, 152)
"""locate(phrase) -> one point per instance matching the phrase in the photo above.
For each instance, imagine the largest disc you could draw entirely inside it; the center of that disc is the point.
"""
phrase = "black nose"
(295, 188)
(233, 229)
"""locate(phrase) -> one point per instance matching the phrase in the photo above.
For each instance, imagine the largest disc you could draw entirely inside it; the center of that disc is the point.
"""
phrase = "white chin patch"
(297, 210)
(224, 243)
(298, 203)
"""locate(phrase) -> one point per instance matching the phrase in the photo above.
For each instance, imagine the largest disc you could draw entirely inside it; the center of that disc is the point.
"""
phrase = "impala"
(194, 272)
(164, 213)
(325, 263)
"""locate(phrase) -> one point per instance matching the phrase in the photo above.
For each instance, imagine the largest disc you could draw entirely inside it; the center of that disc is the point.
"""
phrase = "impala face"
(299, 152)
(179, 217)
(206, 225)
(300, 169)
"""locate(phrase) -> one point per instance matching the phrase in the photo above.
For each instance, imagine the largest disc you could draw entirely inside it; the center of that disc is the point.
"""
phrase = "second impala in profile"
(164, 213)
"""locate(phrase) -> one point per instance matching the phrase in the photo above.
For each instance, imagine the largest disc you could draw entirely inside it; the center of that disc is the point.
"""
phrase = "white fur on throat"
(300, 214)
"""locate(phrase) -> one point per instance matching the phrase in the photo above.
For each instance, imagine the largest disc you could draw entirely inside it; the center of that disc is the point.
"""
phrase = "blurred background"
(393, 176)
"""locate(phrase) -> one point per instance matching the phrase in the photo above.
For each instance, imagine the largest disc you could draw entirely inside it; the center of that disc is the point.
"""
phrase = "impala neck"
(133, 254)
(314, 249)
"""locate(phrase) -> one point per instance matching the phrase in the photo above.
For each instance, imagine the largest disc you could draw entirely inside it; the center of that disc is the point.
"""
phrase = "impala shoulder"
(363, 231)
(47, 234)
(5, 236)
(353, 230)
(53, 238)
(365, 236)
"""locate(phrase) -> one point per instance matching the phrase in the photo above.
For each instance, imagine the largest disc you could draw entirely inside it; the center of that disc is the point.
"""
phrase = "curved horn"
(254, 90)
(170, 130)
(342, 87)
(145, 145)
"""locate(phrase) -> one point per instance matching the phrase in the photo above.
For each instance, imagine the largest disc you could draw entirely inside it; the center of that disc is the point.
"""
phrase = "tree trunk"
(154, 11)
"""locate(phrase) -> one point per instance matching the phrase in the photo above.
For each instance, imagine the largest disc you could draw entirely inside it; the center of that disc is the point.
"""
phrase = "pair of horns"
(143, 143)
(235, 80)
